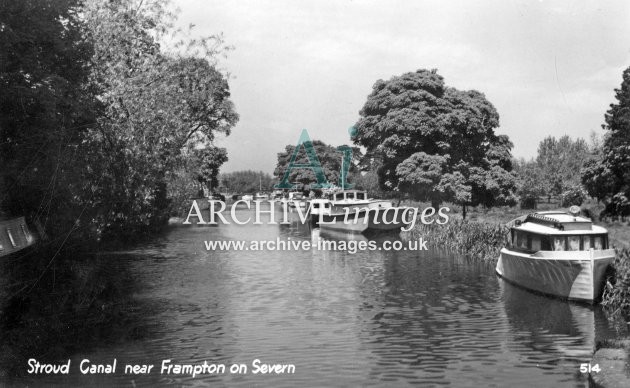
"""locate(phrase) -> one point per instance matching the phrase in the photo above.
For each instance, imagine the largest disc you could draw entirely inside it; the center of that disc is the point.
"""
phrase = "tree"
(435, 142)
(558, 160)
(530, 185)
(607, 175)
(248, 181)
(329, 157)
(159, 107)
(206, 163)
(45, 108)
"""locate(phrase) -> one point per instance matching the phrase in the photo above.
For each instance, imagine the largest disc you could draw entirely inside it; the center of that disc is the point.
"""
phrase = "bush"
(575, 195)
(529, 202)
(616, 296)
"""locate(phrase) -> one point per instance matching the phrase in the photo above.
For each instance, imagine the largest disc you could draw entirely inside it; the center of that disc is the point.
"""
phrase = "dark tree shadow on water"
(51, 309)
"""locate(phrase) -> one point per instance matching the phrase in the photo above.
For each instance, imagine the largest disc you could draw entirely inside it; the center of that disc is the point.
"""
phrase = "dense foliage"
(435, 142)
(98, 117)
(46, 106)
(607, 175)
(159, 108)
(617, 291)
(530, 185)
(558, 160)
(329, 158)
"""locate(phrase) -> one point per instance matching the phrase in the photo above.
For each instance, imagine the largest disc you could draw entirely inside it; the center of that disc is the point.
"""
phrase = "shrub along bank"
(616, 298)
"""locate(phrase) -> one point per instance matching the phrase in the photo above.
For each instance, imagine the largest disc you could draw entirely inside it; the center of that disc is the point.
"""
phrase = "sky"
(548, 67)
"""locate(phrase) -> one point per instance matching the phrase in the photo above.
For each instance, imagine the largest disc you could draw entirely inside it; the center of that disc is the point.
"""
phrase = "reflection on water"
(371, 318)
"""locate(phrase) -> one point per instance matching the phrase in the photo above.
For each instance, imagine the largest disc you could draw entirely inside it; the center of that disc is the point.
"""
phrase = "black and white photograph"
(314, 193)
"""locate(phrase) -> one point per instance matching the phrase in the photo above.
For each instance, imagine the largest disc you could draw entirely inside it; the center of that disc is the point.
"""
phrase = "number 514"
(588, 368)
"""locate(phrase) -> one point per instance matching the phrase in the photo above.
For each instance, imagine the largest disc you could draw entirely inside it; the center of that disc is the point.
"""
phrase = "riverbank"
(612, 359)
(52, 308)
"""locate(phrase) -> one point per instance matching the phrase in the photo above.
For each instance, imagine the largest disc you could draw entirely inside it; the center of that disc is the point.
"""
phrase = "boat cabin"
(350, 196)
(296, 196)
(320, 205)
(555, 231)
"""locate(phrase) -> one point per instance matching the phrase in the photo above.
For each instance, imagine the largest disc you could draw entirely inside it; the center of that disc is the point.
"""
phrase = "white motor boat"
(353, 211)
(557, 253)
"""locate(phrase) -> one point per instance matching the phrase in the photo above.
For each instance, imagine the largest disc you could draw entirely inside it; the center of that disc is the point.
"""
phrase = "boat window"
(559, 243)
(598, 242)
(521, 240)
(574, 243)
(545, 243)
(586, 243)
(360, 195)
(535, 244)
(339, 196)
(11, 238)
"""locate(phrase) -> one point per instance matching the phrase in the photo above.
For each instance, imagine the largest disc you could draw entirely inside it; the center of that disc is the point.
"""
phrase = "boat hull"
(14, 236)
(366, 220)
(574, 275)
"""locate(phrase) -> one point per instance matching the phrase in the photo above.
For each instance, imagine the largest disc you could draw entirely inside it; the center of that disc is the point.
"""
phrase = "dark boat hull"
(14, 236)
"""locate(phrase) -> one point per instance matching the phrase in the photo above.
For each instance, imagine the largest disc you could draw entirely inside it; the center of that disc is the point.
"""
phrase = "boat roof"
(556, 222)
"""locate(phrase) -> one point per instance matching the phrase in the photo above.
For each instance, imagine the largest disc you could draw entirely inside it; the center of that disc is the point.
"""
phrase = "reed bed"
(481, 241)
(616, 298)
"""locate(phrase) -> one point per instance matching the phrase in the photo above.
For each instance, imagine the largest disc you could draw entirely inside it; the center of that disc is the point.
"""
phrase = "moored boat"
(319, 206)
(353, 211)
(14, 236)
(261, 196)
(296, 199)
(557, 253)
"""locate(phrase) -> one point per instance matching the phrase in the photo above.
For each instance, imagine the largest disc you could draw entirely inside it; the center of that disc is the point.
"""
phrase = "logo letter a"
(313, 164)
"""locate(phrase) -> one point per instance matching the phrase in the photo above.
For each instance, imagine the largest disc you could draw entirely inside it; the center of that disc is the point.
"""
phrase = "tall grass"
(482, 241)
(616, 298)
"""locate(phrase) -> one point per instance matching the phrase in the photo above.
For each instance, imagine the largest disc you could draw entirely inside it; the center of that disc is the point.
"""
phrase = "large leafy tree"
(607, 175)
(435, 142)
(329, 157)
(159, 107)
(45, 108)
(205, 165)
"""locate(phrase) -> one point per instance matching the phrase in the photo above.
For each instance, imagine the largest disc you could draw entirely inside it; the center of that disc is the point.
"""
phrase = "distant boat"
(14, 236)
(261, 196)
(353, 211)
(247, 197)
(295, 199)
(557, 253)
(276, 195)
(319, 206)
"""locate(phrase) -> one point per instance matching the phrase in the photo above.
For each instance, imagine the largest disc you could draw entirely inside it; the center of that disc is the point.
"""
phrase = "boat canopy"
(556, 223)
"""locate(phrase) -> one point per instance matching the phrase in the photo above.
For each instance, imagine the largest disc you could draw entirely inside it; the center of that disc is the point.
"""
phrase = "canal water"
(373, 318)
